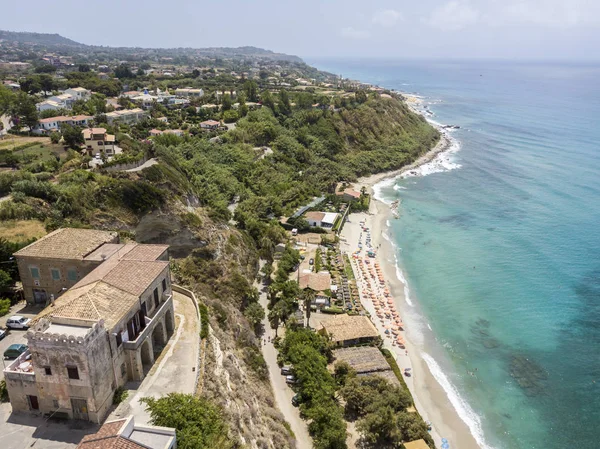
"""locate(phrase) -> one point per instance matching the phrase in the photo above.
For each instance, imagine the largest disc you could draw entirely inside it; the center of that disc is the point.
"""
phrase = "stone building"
(104, 331)
(57, 261)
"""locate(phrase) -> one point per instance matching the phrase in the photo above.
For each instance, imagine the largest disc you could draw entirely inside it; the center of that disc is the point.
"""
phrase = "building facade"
(104, 331)
(57, 261)
(98, 141)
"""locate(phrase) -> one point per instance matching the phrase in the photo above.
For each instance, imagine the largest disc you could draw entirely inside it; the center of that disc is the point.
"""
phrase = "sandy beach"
(430, 398)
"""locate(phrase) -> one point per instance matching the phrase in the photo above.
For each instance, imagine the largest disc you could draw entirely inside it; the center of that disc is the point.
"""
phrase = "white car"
(18, 322)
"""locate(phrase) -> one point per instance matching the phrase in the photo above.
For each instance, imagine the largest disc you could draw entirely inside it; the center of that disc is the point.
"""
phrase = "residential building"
(347, 330)
(158, 132)
(98, 141)
(210, 124)
(321, 219)
(50, 105)
(65, 100)
(79, 93)
(104, 331)
(348, 194)
(47, 125)
(189, 92)
(125, 434)
(57, 261)
(127, 116)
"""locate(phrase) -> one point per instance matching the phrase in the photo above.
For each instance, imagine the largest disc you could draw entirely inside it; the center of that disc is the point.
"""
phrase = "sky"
(473, 29)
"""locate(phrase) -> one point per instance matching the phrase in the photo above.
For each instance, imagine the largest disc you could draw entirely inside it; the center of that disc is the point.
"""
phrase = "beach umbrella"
(445, 446)
(444, 440)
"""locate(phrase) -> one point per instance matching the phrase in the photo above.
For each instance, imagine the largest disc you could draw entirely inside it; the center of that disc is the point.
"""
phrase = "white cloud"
(452, 16)
(353, 33)
(386, 18)
(552, 13)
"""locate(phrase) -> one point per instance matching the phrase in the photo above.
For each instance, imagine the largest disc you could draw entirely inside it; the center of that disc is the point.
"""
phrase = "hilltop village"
(174, 269)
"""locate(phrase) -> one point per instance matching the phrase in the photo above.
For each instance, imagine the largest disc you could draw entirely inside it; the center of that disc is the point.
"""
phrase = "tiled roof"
(134, 276)
(317, 216)
(93, 302)
(108, 429)
(113, 442)
(67, 243)
(145, 252)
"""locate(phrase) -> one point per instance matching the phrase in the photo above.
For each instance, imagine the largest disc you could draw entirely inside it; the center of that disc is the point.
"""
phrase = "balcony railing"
(150, 323)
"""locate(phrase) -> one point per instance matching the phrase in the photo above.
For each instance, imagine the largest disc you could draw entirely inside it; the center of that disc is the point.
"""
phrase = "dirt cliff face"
(160, 227)
(219, 264)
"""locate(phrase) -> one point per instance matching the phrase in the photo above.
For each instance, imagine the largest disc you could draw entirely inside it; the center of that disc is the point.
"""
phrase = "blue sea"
(501, 246)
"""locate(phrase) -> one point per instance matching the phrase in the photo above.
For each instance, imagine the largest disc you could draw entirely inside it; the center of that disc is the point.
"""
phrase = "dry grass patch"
(19, 230)
(11, 141)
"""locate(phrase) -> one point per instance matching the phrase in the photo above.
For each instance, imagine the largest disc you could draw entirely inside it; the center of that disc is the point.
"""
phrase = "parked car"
(290, 379)
(296, 400)
(15, 351)
(286, 370)
(311, 261)
(18, 322)
(3, 333)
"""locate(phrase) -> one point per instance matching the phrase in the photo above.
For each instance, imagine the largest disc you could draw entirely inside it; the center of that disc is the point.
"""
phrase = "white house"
(210, 124)
(189, 92)
(321, 219)
(49, 105)
(46, 125)
(128, 116)
(79, 93)
(65, 100)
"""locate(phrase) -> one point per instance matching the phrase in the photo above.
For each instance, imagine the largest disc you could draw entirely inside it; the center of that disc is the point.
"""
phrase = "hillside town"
(171, 243)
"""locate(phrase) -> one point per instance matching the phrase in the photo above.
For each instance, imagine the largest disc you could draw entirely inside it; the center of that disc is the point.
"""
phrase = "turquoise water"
(502, 255)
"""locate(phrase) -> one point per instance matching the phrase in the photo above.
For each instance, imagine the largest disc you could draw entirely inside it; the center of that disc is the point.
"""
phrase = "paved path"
(148, 163)
(283, 393)
(175, 370)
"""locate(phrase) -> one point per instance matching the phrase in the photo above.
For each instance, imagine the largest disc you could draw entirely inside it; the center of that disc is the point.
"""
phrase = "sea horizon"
(491, 243)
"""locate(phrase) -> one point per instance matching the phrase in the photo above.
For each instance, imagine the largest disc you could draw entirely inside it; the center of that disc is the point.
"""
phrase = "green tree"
(31, 85)
(267, 100)
(251, 90)
(254, 313)
(46, 68)
(284, 104)
(123, 71)
(46, 83)
(55, 137)
(84, 68)
(226, 102)
(26, 110)
(242, 107)
(72, 136)
(198, 422)
(361, 96)
(308, 296)
(8, 100)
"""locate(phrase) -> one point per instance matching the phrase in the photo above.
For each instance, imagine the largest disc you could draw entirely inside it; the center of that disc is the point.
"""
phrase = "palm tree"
(308, 295)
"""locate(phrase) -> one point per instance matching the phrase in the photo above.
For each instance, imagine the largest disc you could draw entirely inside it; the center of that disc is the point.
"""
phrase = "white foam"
(443, 162)
(378, 188)
(401, 278)
(464, 410)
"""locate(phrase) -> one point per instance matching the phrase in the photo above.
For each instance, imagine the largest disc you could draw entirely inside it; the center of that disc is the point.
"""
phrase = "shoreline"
(430, 398)
(443, 145)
